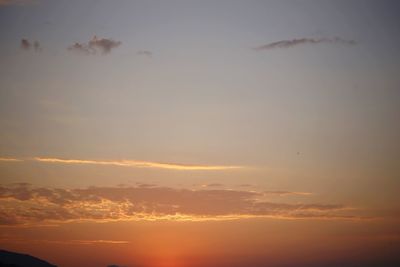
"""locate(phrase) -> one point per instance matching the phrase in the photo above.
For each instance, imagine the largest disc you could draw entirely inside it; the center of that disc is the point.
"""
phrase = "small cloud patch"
(145, 53)
(27, 45)
(95, 45)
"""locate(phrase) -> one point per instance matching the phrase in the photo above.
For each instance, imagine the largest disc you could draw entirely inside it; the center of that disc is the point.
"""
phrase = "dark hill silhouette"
(13, 259)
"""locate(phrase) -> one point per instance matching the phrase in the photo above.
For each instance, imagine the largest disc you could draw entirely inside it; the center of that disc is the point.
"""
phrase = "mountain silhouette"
(13, 259)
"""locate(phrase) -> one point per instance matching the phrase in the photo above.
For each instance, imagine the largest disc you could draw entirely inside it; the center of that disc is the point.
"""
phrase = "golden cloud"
(139, 164)
(23, 204)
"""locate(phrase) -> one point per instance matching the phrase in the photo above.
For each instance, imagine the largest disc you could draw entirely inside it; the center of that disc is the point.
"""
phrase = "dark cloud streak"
(303, 41)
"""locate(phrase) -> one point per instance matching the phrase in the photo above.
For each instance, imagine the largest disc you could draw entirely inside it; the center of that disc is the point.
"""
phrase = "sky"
(200, 133)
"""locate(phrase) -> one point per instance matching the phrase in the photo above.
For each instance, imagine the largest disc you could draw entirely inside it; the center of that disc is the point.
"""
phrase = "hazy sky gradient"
(300, 96)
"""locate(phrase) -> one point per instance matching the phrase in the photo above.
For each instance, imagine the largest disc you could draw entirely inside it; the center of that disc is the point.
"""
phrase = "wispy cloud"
(145, 53)
(94, 242)
(23, 204)
(10, 160)
(144, 185)
(27, 45)
(212, 185)
(81, 48)
(245, 185)
(283, 193)
(128, 163)
(139, 164)
(103, 44)
(95, 45)
(303, 41)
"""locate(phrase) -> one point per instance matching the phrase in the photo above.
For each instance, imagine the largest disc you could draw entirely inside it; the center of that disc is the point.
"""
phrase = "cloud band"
(24, 204)
(302, 41)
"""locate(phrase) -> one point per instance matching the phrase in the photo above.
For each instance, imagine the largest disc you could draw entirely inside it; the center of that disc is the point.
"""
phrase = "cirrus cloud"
(139, 164)
(127, 163)
(302, 41)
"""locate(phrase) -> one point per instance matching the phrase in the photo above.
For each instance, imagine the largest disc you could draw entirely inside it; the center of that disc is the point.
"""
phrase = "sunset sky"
(201, 133)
